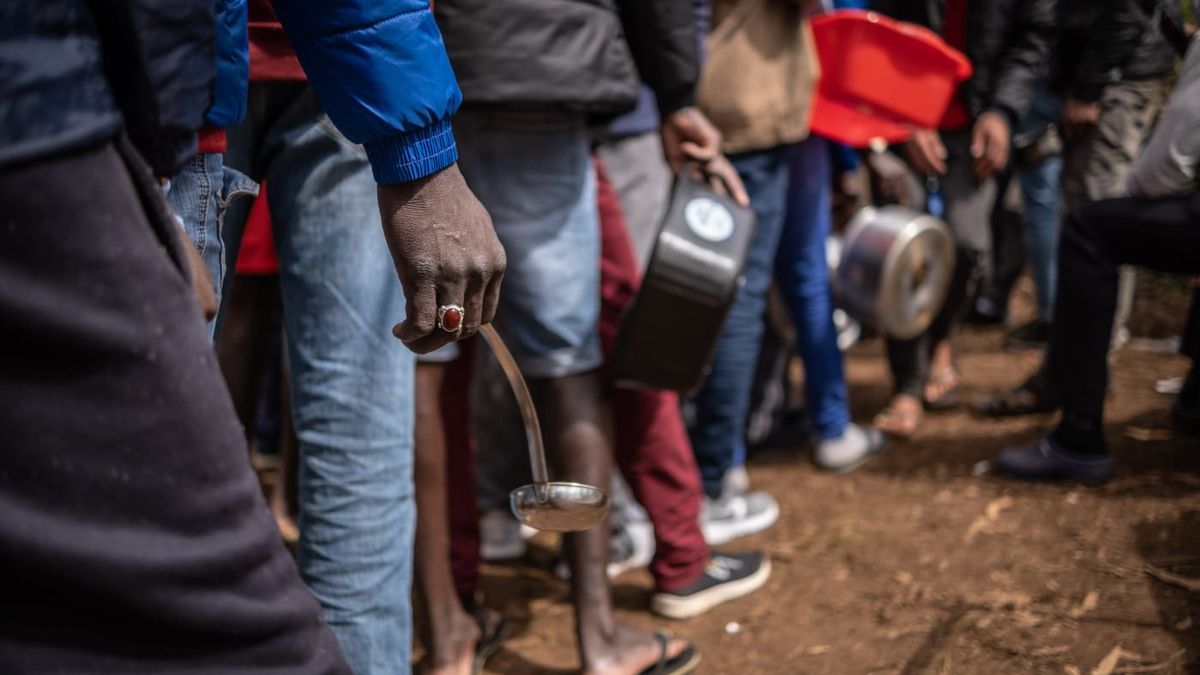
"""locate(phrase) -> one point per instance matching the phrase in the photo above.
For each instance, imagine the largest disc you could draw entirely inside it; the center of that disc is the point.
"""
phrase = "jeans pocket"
(234, 184)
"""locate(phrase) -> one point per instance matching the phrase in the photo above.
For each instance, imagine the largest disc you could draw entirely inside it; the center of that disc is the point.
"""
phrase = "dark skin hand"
(688, 137)
(446, 253)
(989, 144)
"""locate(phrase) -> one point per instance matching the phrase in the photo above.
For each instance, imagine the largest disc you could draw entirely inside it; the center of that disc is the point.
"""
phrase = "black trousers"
(1163, 235)
(133, 536)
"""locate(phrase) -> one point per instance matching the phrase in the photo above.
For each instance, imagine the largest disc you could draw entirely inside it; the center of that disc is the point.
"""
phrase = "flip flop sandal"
(950, 381)
(897, 424)
(685, 662)
(489, 643)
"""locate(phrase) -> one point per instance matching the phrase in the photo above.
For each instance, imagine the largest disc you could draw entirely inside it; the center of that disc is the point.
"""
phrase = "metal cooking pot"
(895, 269)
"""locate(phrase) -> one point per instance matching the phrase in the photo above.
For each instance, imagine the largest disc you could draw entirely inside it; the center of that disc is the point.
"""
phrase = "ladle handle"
(533, 430)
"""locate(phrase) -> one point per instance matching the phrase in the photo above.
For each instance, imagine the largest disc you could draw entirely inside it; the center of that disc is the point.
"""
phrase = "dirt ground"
(913, 564)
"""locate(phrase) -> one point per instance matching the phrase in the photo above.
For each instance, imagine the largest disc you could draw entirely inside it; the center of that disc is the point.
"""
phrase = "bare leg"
(448, 632)
(579, 437)
(283, 496)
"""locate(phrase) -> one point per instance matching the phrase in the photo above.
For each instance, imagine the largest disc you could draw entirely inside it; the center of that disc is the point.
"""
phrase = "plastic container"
(881, 77)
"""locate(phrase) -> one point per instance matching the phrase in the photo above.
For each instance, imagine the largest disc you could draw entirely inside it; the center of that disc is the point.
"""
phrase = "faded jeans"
(199, 194)
(723, 401)
(1041, 186)
(352, 397)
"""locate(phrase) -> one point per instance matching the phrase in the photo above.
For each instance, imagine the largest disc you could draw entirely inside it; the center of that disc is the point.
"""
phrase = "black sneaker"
(1033, 335)
(727, 576)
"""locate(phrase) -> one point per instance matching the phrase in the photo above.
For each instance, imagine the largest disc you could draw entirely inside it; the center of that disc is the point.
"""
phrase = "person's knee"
(1084, 235)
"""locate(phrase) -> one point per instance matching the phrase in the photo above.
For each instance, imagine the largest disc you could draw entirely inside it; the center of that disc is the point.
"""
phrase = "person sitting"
(1155, 228)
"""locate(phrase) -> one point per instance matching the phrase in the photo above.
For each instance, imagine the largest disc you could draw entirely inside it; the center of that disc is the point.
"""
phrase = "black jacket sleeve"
(1114, 38)
(1023, 61)
(662, 37)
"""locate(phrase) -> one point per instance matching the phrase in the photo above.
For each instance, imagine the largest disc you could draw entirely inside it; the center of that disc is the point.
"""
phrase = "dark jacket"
(71, 77)
(1106, 41)
(1009, 43)
(584, 55)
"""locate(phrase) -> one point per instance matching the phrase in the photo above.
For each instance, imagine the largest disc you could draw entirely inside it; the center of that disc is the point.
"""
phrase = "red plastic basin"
(880, 77)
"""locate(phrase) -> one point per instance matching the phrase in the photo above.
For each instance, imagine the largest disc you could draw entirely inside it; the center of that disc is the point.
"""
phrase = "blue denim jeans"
(802, 276)
(1041, 187)
(352, 381)
(200, 194)
(533, 172)
(721, 404)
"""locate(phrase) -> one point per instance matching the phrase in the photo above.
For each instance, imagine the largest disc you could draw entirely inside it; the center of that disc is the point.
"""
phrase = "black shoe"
(726, 577)
(1045, 460)
(1033, 335)
(1035, 396)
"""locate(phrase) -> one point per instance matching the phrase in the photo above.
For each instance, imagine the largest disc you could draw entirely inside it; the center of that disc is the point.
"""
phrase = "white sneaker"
(501, 536)
(850, 450)
(737, 515)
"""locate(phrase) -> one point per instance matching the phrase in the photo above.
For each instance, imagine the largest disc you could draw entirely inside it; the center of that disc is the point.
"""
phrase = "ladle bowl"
(543, 505)
(559, 507)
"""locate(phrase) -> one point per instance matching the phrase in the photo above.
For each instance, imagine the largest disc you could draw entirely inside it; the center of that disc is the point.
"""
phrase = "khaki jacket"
(760, 75)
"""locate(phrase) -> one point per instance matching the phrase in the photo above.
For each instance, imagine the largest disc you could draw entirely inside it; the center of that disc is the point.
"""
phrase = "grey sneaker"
(849, 451)
(737, 515)
(501, 536)
(727, 576)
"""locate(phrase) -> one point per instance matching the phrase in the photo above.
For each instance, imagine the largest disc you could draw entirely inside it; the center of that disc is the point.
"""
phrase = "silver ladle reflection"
(557, 506)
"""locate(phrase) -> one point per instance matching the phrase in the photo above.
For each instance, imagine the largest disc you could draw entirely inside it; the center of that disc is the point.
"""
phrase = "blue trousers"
(1041, 187)
(722, 403)
(802, 275)
(351, 380)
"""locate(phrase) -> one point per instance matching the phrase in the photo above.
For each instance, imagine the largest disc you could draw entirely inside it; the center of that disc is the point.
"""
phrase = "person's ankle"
(1080, 436)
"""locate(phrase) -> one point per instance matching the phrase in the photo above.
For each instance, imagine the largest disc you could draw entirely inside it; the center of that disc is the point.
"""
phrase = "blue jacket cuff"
(412, 155)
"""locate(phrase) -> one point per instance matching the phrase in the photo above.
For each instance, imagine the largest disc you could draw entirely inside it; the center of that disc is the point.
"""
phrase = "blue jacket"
(232, 65)
(75, 79)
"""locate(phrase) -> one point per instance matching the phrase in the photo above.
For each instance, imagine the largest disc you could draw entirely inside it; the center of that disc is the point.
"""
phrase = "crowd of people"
(435, 167)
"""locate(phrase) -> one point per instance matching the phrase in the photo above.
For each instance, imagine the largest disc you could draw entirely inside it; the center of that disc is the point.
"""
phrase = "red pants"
(652, 447)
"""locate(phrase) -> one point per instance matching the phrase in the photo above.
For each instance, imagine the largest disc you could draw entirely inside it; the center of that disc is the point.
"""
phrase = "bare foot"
(453, 648)
(902, 416)
(629, 652)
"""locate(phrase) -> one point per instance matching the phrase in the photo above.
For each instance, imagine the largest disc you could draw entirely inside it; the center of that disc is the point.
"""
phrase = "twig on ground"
(1187, 583)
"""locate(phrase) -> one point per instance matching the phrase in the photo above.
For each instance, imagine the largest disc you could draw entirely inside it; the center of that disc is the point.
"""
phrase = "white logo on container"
(709, 219)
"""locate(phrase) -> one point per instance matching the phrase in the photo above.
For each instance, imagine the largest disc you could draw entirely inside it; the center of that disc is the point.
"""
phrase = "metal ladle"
(557, 506)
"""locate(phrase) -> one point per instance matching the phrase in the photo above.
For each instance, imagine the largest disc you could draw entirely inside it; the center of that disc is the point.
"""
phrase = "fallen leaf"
(990, 513)
(817, 650)
(903, 578)
(996, 506)
(1109, 663)
(1071, 670)
(1089, 603)
(1148, 435)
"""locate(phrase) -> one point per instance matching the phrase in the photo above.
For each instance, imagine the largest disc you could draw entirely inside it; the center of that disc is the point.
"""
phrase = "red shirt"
(271, 56)
(954, 32)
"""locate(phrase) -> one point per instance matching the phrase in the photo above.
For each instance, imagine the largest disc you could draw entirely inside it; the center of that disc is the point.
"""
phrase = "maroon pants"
(652, 446)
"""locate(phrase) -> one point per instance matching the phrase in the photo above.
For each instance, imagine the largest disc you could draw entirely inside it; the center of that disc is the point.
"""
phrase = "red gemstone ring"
(450, 318)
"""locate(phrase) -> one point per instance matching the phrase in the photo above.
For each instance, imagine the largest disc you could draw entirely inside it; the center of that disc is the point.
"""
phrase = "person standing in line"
(134, 536)
(1006, 42)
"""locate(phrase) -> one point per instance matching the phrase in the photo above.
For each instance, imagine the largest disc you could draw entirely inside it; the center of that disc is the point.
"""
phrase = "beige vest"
(758, 81)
